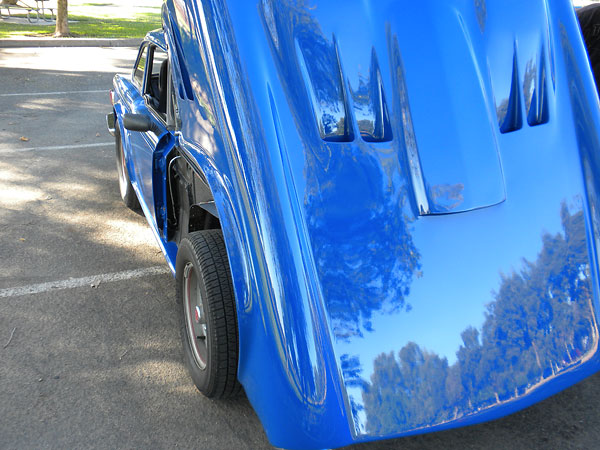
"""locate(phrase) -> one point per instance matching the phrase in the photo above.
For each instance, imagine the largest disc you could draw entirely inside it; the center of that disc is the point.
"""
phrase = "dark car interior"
(158, 88)
(156, 91)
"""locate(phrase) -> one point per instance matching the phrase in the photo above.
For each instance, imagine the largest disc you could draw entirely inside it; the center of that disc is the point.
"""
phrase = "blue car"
(383, 217)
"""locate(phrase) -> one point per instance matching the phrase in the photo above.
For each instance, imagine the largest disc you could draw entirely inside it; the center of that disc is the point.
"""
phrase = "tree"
(62, 19)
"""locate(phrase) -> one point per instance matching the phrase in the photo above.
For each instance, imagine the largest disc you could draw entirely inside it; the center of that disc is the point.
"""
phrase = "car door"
(150, 77)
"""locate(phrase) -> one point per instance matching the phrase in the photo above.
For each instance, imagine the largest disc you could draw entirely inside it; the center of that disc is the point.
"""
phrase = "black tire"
(589, 20)
(208, 320)
(125, 188)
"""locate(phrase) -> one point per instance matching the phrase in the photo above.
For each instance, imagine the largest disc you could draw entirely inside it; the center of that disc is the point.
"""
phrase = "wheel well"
(191, 202)
(201, 219)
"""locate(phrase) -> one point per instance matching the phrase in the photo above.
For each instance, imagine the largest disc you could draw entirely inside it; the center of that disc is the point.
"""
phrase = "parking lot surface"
(89, 343)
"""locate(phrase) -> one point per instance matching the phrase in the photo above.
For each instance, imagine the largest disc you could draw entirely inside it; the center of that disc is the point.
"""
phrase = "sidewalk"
(68, 42)
(118, 8)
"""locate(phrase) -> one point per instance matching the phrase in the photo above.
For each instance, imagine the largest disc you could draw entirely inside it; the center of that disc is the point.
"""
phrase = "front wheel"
(125, 187)
(208, 320)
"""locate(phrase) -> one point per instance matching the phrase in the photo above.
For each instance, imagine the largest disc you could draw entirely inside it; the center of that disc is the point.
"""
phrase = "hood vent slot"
(322, 73)
(509, 112)
(536, 95)
(532, 98)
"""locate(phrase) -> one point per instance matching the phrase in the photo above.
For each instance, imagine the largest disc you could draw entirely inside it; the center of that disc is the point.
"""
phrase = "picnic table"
(41, 10)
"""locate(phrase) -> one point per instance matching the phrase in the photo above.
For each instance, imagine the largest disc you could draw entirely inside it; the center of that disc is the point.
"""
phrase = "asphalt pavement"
(89, 344)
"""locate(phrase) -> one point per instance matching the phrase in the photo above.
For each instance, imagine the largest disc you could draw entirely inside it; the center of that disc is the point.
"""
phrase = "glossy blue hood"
(425, 180)
(440, 180)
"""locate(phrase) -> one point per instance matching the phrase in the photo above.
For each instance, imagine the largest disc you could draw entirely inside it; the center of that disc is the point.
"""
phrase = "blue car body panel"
(409, 197)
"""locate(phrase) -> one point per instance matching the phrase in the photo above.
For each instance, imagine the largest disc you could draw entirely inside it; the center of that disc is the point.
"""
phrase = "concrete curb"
(69, 42)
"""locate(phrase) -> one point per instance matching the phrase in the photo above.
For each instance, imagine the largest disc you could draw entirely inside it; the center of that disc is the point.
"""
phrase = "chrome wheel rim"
(195, 317)
(122, 173)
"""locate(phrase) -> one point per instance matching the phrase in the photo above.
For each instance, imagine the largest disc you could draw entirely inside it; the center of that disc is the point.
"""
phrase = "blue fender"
(272, 365)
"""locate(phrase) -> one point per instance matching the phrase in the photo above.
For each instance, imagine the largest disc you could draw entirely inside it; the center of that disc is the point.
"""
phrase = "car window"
(157, 60)
(140, 67)
(174, 120)
(156, 81)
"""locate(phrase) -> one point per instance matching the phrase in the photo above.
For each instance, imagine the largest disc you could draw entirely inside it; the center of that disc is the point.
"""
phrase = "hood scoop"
(452, 154)
(453, 120)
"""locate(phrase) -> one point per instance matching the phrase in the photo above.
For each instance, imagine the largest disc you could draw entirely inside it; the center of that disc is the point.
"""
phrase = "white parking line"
(44, 94)
(56, 147)
(94, 280)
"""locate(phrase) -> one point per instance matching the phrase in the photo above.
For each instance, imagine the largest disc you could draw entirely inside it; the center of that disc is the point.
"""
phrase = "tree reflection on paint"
(540, 323)
(373, 264)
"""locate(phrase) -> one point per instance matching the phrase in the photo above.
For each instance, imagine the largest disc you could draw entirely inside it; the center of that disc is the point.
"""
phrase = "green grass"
(90, 27)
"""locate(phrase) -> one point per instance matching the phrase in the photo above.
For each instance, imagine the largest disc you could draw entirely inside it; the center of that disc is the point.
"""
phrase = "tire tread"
(209, 248)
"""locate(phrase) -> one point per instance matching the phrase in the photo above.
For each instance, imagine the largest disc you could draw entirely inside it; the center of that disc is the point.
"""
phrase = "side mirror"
(139, 122)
